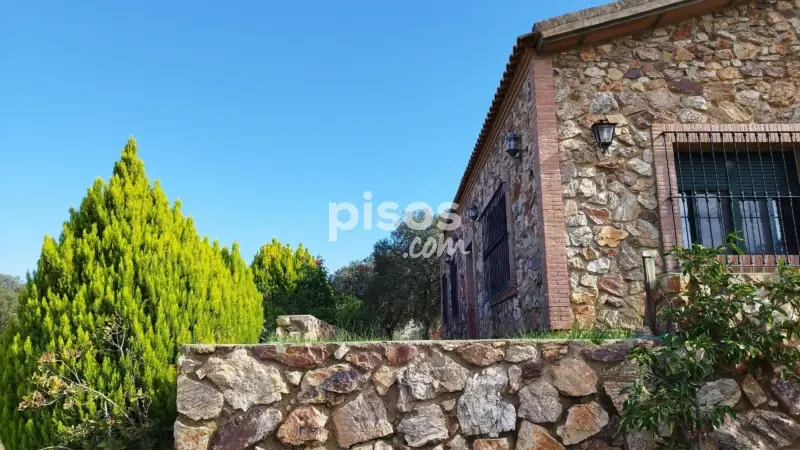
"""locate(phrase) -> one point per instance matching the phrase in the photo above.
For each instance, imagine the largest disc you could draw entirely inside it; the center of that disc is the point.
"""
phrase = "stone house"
(704, 97)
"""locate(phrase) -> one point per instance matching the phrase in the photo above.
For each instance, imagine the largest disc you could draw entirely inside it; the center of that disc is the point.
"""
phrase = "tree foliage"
(403, 289)
(725, 322)
(125, 257)
(10, 288)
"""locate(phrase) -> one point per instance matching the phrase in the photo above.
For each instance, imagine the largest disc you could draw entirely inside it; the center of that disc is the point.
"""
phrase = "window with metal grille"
(496, 264)
(747, 182)
(445, 316)
(454, 291)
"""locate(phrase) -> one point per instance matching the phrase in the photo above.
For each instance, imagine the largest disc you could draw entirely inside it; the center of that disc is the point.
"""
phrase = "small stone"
(683, 54)
(304, 424)
(246, 429)
(608, 354)
(594, 72)
(244, 381)
(613, 284)
(361, 420)
(610, 236)
(426, 426)
(788, 393)
(532, 369)
(603, 103)
(189, 437)
(432, 376)
(599, 266)
(534, 437)
(662, 98)
(580, 236)
(328, 384)
(729, 73)
(539, 403)
(691, 116)
(649, 54)
(448, 405)
(481, 354)
(753, 391)
(457, 443)
(589, 281)
(518, 353)
(639, 440)
(482, 409)
(614, 391)
(685, 86)
(197, 400)
(695, 102)
(745, 50)
(398, 354)
(614, 74)
(294, 377)
(514, 378)
(724, 392)
(365, 361)
(640, 167)
(728, 112)
(341, 351)
(583, 421)
(574, 378)
(491, 444)
(782, 93)
(568, 129)
(749, 98)
(383, 379)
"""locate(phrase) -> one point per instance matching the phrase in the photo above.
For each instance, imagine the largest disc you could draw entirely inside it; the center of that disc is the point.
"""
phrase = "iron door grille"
(445, 320)
(745, 182)
(496, 264)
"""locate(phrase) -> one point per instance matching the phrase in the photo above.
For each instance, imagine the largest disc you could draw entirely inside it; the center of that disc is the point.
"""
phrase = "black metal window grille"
(445, 317)
(743, 181)
(454, 291)
(496, 264)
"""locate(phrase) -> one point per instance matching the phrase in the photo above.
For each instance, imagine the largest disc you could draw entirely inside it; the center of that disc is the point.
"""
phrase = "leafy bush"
(725, 323)
(129, 258)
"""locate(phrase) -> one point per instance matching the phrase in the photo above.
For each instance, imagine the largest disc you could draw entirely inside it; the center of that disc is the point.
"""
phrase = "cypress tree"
(125, 255)
(277, 271)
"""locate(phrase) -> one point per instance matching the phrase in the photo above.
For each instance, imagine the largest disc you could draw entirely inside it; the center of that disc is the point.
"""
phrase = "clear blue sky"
(256, 114)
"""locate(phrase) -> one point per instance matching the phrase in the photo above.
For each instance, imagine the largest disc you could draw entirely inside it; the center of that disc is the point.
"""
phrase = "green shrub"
(724, 323)
(129, 262)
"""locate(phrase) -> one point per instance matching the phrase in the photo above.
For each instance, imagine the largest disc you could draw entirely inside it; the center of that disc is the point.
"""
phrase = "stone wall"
(524, 308)
(739, 65)
(454, 395)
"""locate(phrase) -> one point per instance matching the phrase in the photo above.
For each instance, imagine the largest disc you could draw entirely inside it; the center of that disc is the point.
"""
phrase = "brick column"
(550, 201)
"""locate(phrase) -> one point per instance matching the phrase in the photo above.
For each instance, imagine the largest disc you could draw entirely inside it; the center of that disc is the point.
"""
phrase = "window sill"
(503, 295)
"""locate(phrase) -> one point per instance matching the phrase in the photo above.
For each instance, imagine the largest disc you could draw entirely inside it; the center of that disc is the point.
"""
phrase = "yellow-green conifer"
(126, 254)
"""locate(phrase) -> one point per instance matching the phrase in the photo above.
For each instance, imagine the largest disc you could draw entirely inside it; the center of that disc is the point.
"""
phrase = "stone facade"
(523, 307)
(454, 395)
(729, 69)
(738, 65)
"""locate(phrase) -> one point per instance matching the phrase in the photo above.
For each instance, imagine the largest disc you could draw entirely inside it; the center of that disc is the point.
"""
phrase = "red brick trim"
(666, 183)
(550, 201)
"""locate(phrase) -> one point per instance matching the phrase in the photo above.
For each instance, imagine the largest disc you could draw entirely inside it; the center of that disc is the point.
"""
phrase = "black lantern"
(472, 212)
(603, 132)
(513, 143)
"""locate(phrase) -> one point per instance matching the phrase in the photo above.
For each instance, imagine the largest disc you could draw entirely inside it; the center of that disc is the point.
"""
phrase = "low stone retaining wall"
(454, 395)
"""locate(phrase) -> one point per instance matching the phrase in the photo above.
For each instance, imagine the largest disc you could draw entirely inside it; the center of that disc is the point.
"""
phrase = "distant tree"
(277, 271)
(92, 358)
(354, 278)
(402, 288)
(10, 288)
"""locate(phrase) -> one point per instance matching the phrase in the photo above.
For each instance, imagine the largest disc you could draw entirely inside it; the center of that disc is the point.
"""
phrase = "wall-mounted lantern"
(513, 144)
(472, 212)
(448, 257)
(603, 132)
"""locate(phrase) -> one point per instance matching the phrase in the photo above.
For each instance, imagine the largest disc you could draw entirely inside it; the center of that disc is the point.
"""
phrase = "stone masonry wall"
(523, 311)
(739, 65)
(453, 395)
